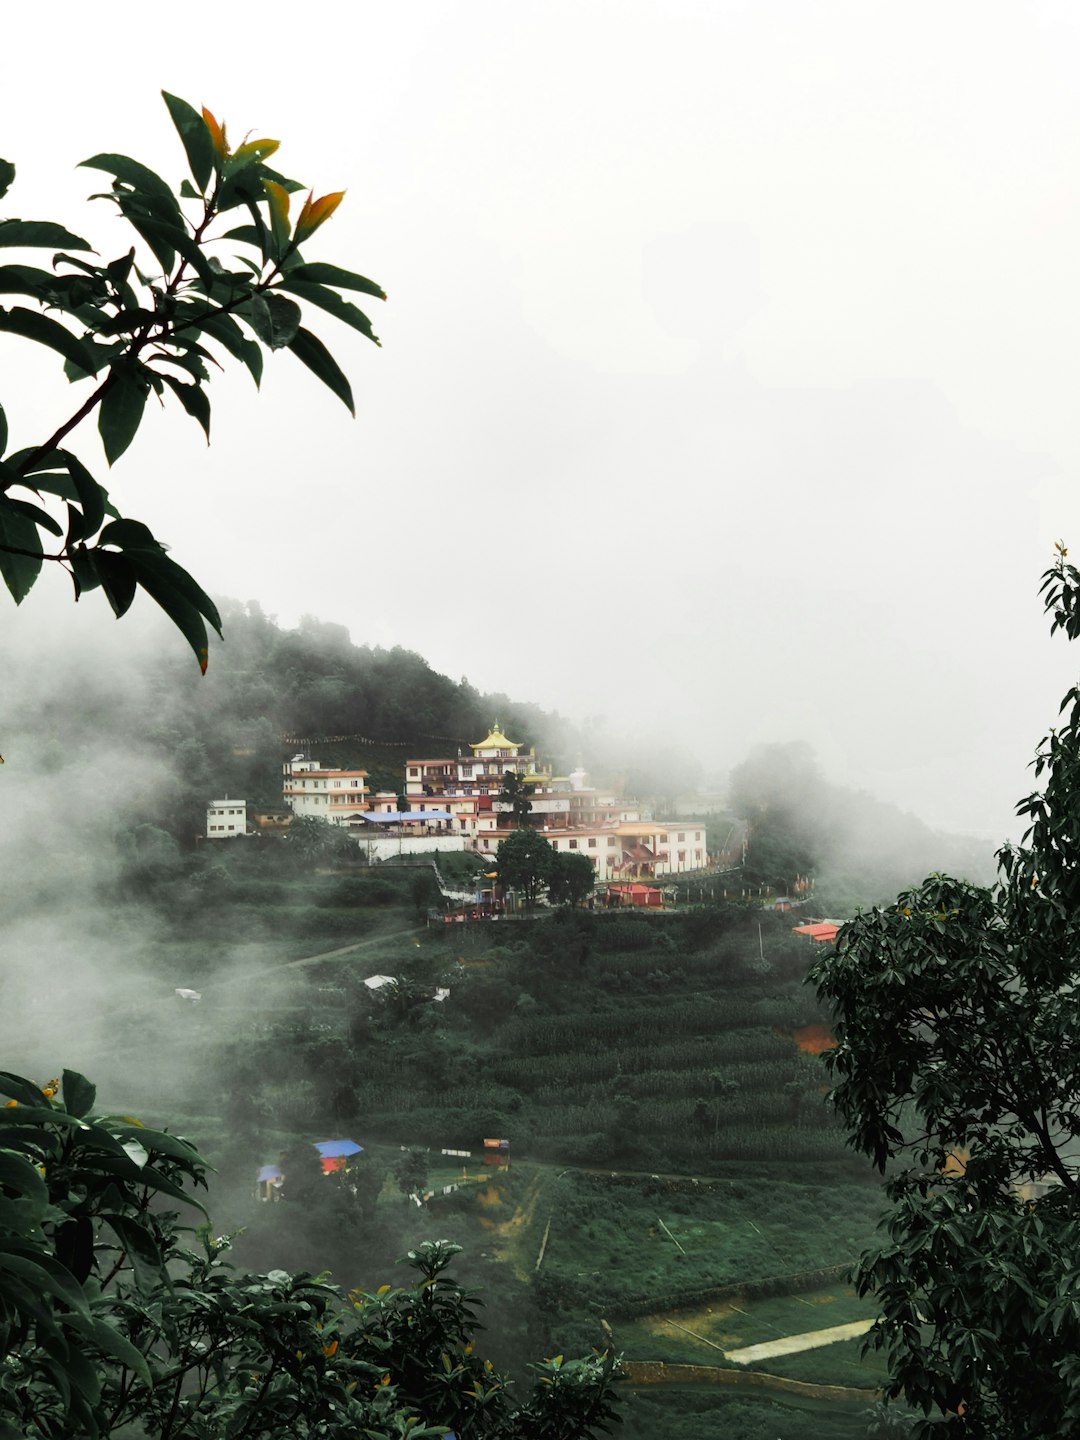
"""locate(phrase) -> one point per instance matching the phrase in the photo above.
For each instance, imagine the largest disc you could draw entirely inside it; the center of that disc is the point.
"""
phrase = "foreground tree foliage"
(957, 1071)
(117, 1321)
(151, 322)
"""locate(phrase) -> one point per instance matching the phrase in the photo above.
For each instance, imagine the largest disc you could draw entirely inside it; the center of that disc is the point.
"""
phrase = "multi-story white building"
(225, 818)
(606, 828)
(334, 795)
(634, 850)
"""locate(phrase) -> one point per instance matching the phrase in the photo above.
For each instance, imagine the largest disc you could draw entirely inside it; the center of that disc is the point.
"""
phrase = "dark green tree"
(411, 1172)
(572, 880)
(151, 322)
(316, 839)
(525, 862)
(515, 793)
(957, 1071)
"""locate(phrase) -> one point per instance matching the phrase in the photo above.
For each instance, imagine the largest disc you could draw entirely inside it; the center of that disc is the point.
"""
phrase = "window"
(573, 844)
(682, 836)
(611, 839)
(592, 844)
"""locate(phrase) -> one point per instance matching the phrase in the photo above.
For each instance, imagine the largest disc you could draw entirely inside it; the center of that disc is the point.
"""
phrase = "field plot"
(642, 1246)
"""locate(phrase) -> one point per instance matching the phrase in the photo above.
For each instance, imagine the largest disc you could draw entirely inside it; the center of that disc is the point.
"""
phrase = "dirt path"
(794, 1344)
(338, 954)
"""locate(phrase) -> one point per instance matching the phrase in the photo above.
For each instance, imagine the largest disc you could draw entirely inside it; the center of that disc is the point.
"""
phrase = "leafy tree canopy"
(515, 793)
(525, 862)
(152, 322)
(573, 878)
(957, 1071)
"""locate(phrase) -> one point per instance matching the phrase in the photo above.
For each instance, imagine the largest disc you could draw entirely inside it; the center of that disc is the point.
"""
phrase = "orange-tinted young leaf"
(316, 211)
(217, 134)
(279, 199)
(255, 150)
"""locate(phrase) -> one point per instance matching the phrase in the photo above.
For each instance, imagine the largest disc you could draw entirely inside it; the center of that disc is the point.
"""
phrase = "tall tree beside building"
(515, 793)
(525, 862)
(573, 878)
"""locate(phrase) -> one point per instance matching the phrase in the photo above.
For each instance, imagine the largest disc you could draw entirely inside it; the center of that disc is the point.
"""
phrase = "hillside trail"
(337, 954)
(795, 1344)
(514, 1236)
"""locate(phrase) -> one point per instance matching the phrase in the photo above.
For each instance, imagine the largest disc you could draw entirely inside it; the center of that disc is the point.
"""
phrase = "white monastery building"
(225, 818)
(339, 796)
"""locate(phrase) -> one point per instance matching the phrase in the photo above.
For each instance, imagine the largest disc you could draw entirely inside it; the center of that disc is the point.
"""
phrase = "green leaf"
(274, 319)
(252, 357)
(168, 572)
(129, 534)
(141, 1249)
(93, 497)
(120, 411)
(160, 234)
(117, 580)
(41, 233)
(17, 1173)
(320, 362)
(321, 274)
(3, 431)
(26, 280)
(194, 399)
(109, 1339)
(161, 1143)
(193, 132)
(246, 234)
(130, 172)
(84, 570)
(44, 1273)
(97, 357)
(182, 599)
(332, 302)
(20, 1089)
(34, 514)
(7, 175)
(78, 1093)
(32, 326)
(20, 571)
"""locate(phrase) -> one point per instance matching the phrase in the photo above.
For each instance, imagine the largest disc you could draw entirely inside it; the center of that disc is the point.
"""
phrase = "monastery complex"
(454, 804)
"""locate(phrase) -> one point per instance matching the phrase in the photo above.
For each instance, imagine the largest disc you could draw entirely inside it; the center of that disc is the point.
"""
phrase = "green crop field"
(669, 1139)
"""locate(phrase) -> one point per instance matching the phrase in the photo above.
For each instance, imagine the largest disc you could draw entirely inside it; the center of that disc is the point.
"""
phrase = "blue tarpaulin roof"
(270, 1172)
(331, 1149)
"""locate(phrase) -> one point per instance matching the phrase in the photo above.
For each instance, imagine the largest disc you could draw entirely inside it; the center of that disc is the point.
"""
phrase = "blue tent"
(332, 1149)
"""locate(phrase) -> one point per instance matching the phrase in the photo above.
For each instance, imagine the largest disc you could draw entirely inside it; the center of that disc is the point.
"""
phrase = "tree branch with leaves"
(185, 295)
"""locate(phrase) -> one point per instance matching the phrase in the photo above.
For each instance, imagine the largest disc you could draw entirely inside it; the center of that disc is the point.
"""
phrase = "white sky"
(731, 367)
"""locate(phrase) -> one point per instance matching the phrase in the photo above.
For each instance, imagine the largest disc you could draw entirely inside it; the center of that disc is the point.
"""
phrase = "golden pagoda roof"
(495, 741)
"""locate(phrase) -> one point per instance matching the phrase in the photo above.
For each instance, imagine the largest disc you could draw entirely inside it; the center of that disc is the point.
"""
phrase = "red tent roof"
(820, 931)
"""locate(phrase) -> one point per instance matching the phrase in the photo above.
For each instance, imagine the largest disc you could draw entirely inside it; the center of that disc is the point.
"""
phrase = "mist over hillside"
(860, 850)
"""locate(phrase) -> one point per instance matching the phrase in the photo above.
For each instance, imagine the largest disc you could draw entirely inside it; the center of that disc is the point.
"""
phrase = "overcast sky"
(731, 365)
